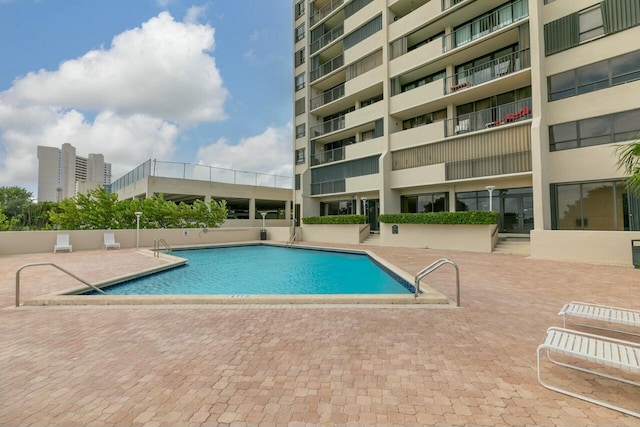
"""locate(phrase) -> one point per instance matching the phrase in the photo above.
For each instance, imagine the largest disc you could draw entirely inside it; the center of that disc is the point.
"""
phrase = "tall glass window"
(424, 203)
(591, 206)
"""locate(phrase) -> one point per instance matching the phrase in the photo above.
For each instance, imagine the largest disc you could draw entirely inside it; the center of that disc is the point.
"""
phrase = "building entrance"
(516, 211)
(371, 208)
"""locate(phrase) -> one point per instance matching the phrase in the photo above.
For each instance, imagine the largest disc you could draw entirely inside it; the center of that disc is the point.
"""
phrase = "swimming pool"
(267, 270)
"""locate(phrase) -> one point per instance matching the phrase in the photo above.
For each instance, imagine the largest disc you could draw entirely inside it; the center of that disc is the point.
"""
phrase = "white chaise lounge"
(595, 352)
(110, 241)
(603, 317)
(62, 243)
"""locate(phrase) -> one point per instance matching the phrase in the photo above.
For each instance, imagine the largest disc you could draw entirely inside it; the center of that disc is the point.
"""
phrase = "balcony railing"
(328, 187)
(486, 24)
(326, 38)
(328, 127)
(491, 70)
(327, 97)
(328, 156)
(503, 164)
(491, 117)
(327, 67)
(447, 4)
(324, 11)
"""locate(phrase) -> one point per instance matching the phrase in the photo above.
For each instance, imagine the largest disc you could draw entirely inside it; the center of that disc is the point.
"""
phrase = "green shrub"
(335, 219)
(465, 217)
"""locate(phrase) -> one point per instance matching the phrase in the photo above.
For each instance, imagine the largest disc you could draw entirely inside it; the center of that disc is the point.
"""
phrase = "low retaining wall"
(23, 242)
(332, 233)
(601, 247)
(457, 237)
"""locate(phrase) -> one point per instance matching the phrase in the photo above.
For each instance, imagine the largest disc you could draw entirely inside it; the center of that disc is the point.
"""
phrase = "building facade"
(61, 173)
(449, 105)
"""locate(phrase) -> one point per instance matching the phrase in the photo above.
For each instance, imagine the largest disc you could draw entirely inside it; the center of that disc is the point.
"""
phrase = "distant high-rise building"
(60, 171)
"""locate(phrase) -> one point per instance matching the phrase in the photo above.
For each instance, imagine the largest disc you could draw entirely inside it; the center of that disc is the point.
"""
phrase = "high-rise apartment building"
(60, 171)
(440, 105)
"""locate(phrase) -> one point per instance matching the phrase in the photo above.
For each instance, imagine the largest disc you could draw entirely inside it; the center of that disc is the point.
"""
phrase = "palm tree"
(629, 160)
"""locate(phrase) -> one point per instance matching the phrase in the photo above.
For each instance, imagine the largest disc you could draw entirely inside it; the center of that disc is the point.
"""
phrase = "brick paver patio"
(304, 365)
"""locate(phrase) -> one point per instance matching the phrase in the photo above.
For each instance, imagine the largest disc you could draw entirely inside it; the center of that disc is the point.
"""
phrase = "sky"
(198, 82)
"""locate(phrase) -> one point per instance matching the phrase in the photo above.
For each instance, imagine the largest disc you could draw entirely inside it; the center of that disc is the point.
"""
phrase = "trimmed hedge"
(335, 219)
(464, 217)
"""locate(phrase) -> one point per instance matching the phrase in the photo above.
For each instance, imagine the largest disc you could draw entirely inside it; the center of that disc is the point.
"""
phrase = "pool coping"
(71, 296)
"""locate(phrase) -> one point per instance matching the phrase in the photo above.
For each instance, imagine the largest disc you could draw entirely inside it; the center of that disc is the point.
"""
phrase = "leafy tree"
(4, 222)
(13, 203)
(629, 160)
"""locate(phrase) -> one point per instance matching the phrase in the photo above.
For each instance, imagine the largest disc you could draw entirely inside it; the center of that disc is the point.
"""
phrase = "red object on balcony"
(459, 86)
(511, 117)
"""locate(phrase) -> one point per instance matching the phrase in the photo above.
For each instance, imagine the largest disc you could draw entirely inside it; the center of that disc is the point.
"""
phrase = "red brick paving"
(304, 365)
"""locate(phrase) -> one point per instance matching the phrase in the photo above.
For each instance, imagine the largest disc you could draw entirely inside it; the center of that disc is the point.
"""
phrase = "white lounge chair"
(110, 241)
(62, 243)
(603, 317)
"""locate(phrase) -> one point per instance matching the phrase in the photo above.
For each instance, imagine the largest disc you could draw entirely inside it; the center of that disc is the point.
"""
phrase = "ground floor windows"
(430, 202)
(338, 207)
(601, 205)
(515, 206)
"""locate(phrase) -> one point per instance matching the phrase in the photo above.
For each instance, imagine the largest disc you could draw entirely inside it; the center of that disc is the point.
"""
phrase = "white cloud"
(194, 14)
(162, 69)
(270, 152)
(128, 102)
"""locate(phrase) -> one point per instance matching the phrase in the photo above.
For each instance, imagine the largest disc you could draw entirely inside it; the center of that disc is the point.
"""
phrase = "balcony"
(489, 118)
(418, 135)
(327, 127)
(416, 97)
(486, 24)
(328, 156)
(328, 67)
(448, 4)
(504, 164)
(326, 38)
(328, 187)
(325, 11)
(489, 71)
(327, 97)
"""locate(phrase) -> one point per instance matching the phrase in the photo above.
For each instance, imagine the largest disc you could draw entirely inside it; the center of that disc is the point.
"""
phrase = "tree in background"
(629, 160)
(14, 204)
(98, 210)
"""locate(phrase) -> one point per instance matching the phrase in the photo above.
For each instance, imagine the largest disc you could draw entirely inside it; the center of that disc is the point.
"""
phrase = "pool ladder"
(156, 246)
(292, 237)
(53, 265)
(433, 267)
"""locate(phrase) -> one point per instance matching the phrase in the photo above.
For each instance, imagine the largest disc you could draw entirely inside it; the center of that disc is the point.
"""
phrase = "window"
(300, 106)
(300, 130)
(424, 119)
(476, 200)
(340, 207)
(590, 206)
(297, 182)
(299, 81)
(591, 25)
(370, 101)
(423, 81)
(618, 127)
(489, 22)
(299, 9)
(366, 135)
(421, 203)
(592, 77)
(299, 34)
(625, 68)
(300, 156)
(298, 57)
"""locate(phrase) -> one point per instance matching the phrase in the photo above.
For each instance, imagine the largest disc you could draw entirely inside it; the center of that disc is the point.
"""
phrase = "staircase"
(513, 245)
(373, 239)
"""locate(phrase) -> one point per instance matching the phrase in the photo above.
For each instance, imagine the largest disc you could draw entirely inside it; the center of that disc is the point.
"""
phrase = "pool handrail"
(53, 265)
(433, 267)
(156, 246)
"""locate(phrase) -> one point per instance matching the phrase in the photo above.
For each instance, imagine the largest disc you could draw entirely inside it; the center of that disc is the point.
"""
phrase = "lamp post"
(364, 205)
(490, 189)
(263, 232)
(138, 215)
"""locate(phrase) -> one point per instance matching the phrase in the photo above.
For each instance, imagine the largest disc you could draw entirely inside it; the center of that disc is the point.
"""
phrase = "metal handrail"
(292, 237)
(53, 265)
(156, 246)
(433, 267)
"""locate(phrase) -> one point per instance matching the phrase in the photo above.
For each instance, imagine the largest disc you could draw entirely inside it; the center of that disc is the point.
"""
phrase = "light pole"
(138, 215)
(490, 189)
(263, 232)
(364, 205)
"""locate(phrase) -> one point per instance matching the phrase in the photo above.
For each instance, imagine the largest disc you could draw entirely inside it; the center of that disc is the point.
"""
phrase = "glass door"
(517, 213)
(371, 209)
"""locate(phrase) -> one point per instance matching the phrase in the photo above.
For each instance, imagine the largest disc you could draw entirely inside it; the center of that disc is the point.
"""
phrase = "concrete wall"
(332, 233)
(458, 237)
(602, 247)
(23, 242)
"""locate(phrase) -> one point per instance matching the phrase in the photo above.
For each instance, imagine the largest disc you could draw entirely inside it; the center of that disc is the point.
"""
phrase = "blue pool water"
(266, 270)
